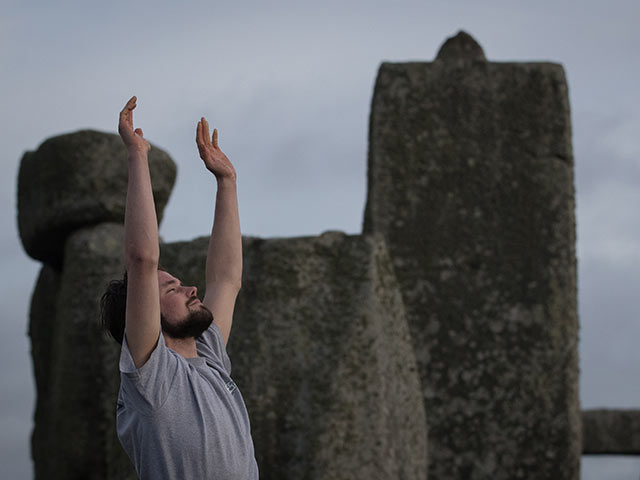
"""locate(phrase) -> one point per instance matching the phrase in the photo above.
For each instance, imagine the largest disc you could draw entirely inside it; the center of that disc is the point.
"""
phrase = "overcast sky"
(289, 85)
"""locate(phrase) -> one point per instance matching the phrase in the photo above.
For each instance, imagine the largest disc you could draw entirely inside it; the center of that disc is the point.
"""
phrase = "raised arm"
(140, 244)
(224, 257)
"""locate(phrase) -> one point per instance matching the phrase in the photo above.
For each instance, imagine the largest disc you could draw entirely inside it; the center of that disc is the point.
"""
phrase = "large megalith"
(471, 184)
(79, 179)
(321, 352)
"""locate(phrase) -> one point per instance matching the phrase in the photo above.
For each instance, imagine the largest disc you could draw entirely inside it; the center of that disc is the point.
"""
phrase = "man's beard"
(191, 327)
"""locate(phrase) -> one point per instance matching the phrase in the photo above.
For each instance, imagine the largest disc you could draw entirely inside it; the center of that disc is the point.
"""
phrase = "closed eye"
(172, 284)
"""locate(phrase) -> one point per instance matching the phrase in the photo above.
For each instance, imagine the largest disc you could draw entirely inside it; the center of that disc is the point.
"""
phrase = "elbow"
(223, 275)
(229, 284)
(236, 280)
(235, 283)
(142, 260)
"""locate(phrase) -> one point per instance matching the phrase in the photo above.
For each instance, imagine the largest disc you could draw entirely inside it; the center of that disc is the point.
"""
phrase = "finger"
(198, 134)
(125, 112)
(205, 130)
(215, 137)
(125, 121)
(126, 115)
(130, 105)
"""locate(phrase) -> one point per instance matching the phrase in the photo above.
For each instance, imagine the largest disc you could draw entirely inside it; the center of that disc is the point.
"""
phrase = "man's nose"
(192, 291)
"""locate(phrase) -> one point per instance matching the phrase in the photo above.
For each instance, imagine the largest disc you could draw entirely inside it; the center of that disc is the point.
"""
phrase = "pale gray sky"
(289, 85)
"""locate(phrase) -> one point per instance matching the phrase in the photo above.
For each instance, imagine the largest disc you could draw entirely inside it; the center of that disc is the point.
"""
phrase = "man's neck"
(183, 346)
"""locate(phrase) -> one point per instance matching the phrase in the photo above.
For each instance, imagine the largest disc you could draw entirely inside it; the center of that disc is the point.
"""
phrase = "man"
(179, 414)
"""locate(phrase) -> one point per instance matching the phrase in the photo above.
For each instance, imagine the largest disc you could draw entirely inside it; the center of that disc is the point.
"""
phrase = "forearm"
(140, 222)
(224, 256)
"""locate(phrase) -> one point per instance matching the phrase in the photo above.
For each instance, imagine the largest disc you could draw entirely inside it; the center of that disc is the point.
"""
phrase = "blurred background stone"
(79, 179)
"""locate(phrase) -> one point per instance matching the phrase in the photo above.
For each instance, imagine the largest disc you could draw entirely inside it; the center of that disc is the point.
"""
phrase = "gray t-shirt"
(184, 418)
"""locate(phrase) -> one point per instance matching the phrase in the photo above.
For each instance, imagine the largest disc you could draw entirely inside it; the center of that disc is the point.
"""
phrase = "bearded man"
(179, 413)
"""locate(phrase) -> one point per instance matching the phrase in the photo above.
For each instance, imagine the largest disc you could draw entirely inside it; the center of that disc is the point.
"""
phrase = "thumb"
(139, 131)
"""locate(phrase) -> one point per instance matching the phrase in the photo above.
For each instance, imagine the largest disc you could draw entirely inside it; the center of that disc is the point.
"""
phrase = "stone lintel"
(610, 432)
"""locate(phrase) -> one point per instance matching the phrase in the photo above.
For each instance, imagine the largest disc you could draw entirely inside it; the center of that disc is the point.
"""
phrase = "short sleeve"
(148, 387)
(211, 346)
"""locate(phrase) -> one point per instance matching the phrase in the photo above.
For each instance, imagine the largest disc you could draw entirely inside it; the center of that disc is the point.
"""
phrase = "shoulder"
(212, 347)
(149, 385)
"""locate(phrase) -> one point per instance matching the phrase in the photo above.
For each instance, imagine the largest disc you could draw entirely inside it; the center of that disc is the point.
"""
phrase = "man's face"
(182, 315)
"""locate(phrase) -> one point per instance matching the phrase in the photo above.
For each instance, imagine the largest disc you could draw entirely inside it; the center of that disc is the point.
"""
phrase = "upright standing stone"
(471, 183)
(76, 364)
(42, 329)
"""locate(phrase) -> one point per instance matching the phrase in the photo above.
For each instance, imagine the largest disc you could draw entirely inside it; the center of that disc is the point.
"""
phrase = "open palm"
(133, 139)
(214, 159)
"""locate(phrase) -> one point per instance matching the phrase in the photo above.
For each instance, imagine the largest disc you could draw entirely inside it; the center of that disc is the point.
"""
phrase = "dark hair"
(113, 307)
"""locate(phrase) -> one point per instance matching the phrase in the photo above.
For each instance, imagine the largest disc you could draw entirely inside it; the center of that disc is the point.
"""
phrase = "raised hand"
(214, 159)
(133, 139)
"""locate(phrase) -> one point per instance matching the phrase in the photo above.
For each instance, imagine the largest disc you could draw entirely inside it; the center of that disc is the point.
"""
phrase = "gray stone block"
(76, 363)
(471, 184)
(75, 180)
(611, 432)
(321, 352)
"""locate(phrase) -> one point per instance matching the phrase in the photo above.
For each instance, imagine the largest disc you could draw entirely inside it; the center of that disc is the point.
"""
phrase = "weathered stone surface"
(321, 352)
(471, 183)
(611, 432)
(76, 363)
(75, 180)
